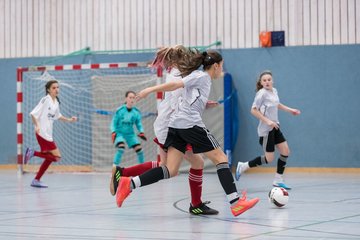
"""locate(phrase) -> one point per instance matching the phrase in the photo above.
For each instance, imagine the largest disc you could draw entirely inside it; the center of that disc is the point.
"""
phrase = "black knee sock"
(258, 161)
(154, 175)
(281, 164)
(227, 181)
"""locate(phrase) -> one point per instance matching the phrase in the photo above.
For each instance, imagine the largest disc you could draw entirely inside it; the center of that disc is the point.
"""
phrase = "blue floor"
(79, 206)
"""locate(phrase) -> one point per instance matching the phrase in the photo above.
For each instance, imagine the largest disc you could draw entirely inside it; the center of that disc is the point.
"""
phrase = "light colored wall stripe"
(58, 27)
(2, 28)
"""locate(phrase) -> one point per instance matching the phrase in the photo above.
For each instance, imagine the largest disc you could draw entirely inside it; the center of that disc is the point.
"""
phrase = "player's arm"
(140, 127)
(165, 87)
(113, 127)
(36, 123)
(285, 108)
(70, 119)
(261, 117)
(211, 104)
(36, 113)
(138, 123)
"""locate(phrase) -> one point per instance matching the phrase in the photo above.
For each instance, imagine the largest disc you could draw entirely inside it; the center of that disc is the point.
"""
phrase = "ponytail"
(195, 59)
(211, 57)
(185, 59)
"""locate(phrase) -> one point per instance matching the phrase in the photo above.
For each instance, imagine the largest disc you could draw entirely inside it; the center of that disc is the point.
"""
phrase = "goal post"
(93, 92)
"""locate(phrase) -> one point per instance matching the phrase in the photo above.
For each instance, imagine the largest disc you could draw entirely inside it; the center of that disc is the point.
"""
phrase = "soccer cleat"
(281, 184)
(243, 205)
(38, 184)
(240, 168)
(29, 153)
(115, 177)
(202, 209)
(123, 190)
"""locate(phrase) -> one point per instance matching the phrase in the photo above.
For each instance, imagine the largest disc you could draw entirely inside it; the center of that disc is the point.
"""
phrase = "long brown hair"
(48, 86)
(258, 82)
(185, 59)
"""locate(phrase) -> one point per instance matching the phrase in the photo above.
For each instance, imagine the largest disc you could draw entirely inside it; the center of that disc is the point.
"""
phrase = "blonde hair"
(258, 82)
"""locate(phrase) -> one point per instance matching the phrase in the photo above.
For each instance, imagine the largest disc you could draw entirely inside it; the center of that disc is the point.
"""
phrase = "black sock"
(258, 161)
(281, 164)
(227, 180)
(154, 175)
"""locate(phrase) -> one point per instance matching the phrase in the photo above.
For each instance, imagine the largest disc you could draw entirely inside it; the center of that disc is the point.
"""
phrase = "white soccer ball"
(279, 196)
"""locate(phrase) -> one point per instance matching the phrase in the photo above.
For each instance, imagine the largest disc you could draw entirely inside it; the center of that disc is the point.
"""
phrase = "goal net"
(93, 92)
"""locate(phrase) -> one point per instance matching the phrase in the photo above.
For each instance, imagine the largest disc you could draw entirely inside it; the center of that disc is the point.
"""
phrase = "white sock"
(278, 176)
(136, 181)
(230, 197)
(246, 166)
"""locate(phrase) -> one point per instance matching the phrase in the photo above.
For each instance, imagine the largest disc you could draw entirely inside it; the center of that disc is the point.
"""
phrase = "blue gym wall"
(321, 81)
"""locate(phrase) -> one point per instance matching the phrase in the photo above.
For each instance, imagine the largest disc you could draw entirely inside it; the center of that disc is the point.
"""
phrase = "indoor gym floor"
(79, 206)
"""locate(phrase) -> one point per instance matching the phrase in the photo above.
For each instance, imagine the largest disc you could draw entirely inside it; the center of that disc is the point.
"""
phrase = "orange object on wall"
(265, 39)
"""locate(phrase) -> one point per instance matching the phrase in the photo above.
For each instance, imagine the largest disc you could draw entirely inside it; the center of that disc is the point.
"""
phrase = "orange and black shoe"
(243, 205)
(116, 174)
(123, 190)
(202, 209)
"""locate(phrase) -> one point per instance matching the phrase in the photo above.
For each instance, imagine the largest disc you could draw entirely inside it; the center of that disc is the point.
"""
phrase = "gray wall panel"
(58, 27)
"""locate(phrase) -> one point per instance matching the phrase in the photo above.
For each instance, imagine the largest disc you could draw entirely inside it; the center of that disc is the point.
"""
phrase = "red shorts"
(188, 146)
(45, 145)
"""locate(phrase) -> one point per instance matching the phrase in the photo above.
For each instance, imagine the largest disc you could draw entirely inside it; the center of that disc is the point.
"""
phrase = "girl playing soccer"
(166, 108)
(265, 108)
(43, 116)
(186, 127)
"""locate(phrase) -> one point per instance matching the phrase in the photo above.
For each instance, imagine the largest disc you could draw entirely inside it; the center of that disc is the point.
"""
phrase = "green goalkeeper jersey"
(124, 119)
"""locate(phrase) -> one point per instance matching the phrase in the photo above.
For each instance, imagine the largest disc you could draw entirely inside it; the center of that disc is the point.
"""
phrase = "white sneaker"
(38, 184)
(241, 167)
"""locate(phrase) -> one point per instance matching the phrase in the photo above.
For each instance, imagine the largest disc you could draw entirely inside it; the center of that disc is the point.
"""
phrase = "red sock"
(44, 166)
(46, 155)
(139, 169)
(195, 182)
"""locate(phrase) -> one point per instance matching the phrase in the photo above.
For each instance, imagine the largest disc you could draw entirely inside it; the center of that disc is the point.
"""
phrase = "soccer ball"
(279, 196)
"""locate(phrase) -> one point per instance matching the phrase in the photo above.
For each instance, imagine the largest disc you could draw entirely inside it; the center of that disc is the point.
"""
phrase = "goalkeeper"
(122, 129)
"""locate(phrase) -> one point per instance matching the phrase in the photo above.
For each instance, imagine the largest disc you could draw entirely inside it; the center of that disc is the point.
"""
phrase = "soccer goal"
(93, 92)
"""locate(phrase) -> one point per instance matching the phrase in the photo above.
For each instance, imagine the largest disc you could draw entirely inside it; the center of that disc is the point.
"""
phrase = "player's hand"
(113, 136)
(211, 104)
(142, 136)
(142, 94)
(73, 119)
(273, 124)
(295, 112)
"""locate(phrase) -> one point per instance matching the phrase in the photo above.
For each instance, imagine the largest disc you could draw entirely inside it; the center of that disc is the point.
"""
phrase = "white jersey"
(192, 102)
(267, 103)
(167, 107)
(46, 112)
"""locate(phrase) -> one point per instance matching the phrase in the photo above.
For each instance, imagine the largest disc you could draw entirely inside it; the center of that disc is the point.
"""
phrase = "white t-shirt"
(192, 102)
(267, 103)
(46, 112)
(167, 106)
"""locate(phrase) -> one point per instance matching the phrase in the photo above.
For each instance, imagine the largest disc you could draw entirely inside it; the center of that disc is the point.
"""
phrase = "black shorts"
(199, 138)
(274, 137)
